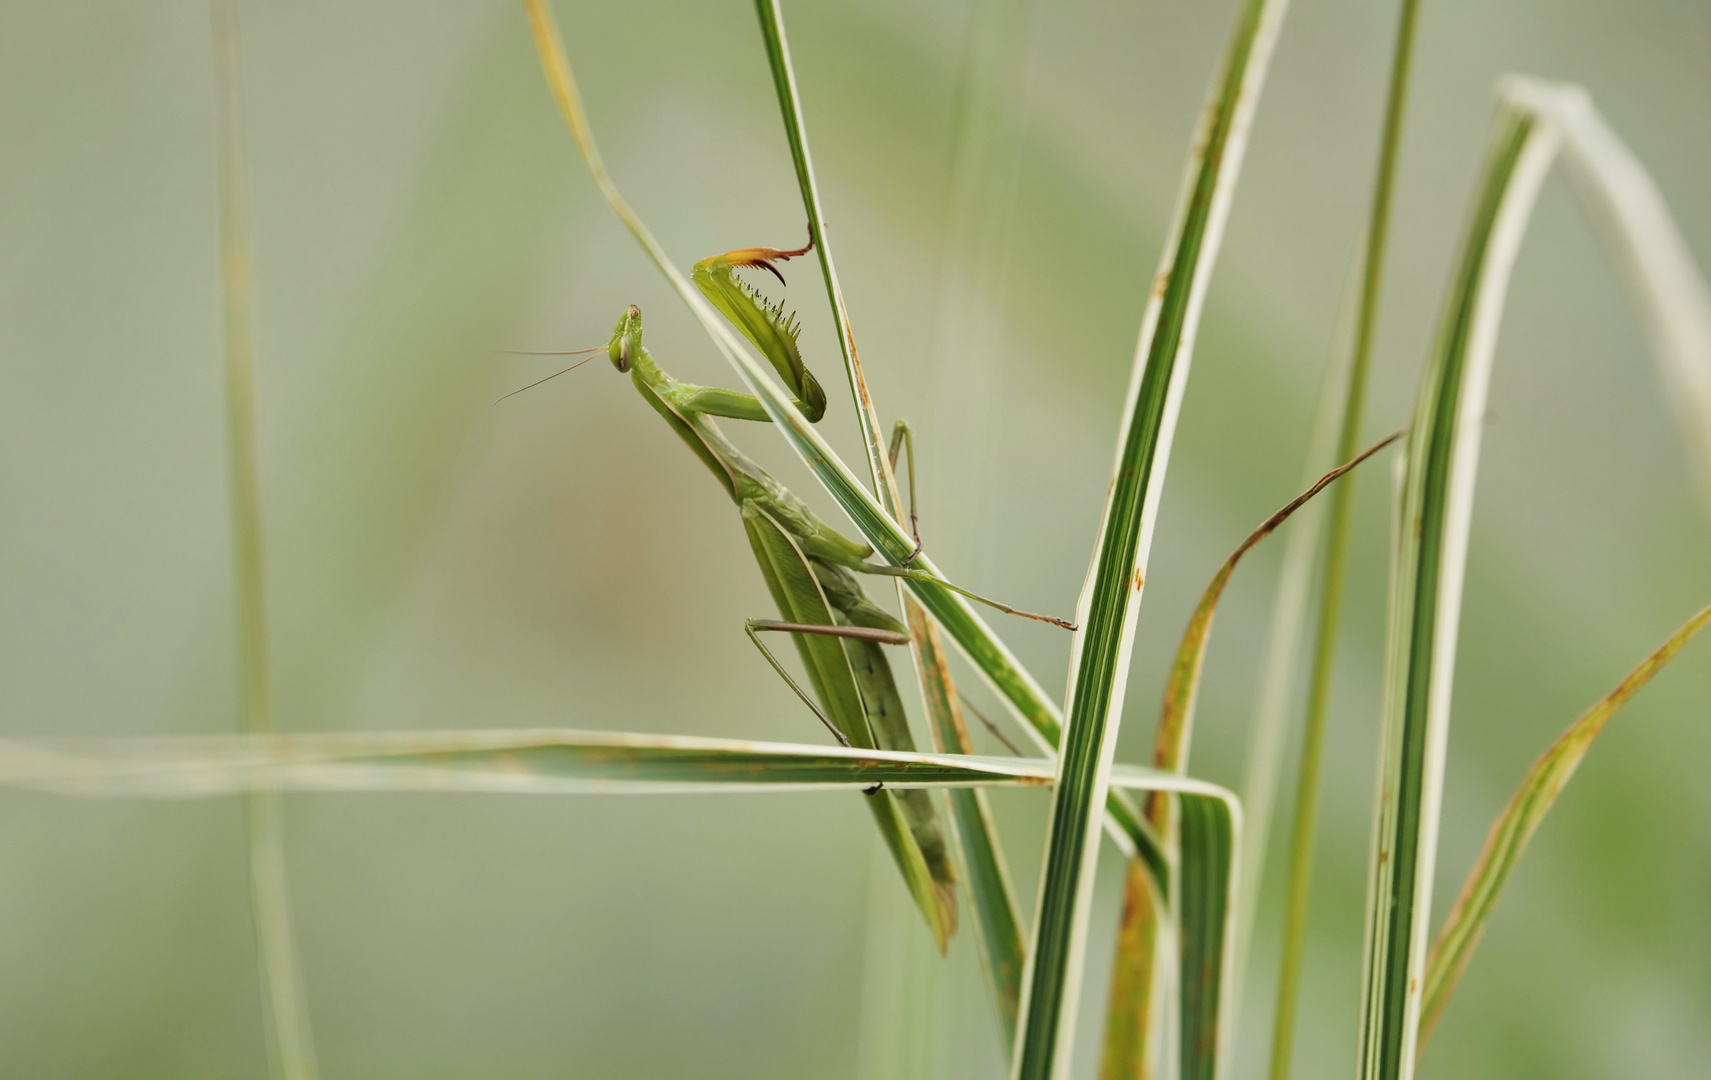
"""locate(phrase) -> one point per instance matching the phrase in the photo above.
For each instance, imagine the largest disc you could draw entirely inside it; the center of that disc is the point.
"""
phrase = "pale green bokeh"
(559, 560)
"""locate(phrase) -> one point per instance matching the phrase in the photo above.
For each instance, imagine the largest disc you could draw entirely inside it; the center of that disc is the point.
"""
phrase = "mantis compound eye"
(623, 360)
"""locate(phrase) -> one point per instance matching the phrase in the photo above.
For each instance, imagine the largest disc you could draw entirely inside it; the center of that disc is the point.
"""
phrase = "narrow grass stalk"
(1336, 551)
(1431, 554)
(1110, 600)
(281, 982)
(1130, 1045)
(790, 106)
(1521, 818)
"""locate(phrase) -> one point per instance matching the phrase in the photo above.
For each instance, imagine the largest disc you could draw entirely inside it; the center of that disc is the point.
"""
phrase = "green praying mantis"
(810, 569)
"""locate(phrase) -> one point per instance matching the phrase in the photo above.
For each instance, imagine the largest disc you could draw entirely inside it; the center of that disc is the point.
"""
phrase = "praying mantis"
(809, 567)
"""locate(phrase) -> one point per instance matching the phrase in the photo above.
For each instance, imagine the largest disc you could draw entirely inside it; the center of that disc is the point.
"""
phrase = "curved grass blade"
(1176, 717)
(1534, 119)
(1129, 1010)
(1110, 599)
(1665, 284)
(288, 1030)
(996, 663)
(1514, 827)
(524, 761)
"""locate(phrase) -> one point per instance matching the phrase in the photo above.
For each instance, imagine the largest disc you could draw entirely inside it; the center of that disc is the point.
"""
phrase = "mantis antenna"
(574, 352)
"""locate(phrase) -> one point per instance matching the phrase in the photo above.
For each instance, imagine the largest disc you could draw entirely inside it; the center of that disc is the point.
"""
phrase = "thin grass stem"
(282, 986)
(1336, 553)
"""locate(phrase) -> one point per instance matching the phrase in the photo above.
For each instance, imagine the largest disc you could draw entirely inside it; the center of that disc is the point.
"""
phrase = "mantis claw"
(913, 555)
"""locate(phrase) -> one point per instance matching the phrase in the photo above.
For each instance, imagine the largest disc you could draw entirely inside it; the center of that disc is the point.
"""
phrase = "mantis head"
(626, 338)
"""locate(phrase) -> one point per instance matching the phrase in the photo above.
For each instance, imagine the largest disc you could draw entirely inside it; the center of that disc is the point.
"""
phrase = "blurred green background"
(560, 560)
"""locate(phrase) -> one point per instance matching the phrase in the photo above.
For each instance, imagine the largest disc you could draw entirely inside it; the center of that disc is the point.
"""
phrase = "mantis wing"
(905, 819)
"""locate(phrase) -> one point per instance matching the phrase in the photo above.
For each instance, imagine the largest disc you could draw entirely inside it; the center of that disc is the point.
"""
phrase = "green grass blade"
(1128, 1012)
(1205, 897)
(1513, 828)
(523, 761)
(288, 1028)
(790, 106)
(1305, 814)
(1431, 552)
(1109, 603)
(992, 902)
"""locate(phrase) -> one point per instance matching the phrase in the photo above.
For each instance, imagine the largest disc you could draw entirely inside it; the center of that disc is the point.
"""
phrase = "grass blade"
(790, 107)
(526, 761)
(1209, 832)
(1513, 828)
(1431, 552)
(1665, 284)
(1109, 603)
(1129, 1012)
(1336, 549)
(288, 1029)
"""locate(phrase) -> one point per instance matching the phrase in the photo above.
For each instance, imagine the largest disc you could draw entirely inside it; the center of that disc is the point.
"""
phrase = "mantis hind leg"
(754, 628)
(902, 439)
(914, 574)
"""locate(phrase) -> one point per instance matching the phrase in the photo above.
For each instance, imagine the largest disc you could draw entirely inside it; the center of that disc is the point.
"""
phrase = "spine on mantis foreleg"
(853, 681)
